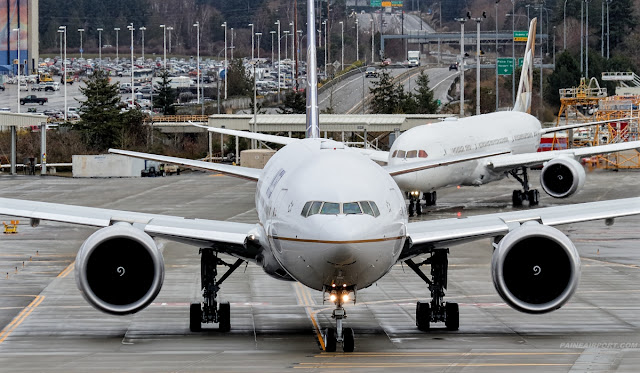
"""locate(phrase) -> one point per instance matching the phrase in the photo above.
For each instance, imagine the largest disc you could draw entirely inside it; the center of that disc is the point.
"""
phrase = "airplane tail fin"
(313, 117)
(524, 96)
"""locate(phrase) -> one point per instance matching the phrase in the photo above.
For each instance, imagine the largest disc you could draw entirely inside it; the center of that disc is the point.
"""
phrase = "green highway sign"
(520, 61)
(520, 35)
(505, 66)
(376, 3)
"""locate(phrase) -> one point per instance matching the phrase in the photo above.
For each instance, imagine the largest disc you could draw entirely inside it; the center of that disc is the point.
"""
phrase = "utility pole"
(461, 67)
(478, 21)
(497, 86)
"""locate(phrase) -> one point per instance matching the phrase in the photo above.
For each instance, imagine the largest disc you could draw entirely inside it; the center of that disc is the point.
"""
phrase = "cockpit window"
(315, 208)
(330, 208)
(412, 153)
(305, 209)
(401, 153)
(376, 212)
(351, 208)
(366, 208)
(394, 154)
(422, 154)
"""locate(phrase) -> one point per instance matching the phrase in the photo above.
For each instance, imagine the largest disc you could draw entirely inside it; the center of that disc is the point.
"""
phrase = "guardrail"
(176, 118)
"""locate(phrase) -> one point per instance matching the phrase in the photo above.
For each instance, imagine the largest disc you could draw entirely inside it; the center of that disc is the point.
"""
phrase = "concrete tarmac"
(46, 325)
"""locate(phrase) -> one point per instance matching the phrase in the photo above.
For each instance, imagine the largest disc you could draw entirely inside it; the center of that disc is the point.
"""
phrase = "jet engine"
(535, 268)
(561, 177)
(119, 269)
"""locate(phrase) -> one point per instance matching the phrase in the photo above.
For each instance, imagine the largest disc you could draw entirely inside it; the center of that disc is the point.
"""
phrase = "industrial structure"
(19, 36)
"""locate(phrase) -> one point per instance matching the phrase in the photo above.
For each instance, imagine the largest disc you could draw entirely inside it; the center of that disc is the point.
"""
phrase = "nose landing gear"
(339, 334)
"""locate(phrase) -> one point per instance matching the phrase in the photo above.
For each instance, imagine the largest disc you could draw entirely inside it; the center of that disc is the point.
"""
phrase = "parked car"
(33, 99)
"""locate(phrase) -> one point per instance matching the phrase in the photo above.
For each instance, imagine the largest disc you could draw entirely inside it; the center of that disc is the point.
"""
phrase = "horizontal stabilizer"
(409, 167)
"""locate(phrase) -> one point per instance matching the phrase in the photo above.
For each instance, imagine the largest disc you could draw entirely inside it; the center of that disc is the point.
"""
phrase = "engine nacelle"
(119, 269)
(535, 268)
(561, 177)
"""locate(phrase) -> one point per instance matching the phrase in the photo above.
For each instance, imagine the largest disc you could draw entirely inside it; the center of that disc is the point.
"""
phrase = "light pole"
(373, 37)
(357, 42)
(325, 47)
(554, 47)
(81, 30)
(478, 21)
(342, 45)
(117, 30)
(17, 31)
(608, 1)
(143, 29)
(497, 86)
(293, 43)
(164, 38)
(462, 21)
(564, 25)
(252, 42)
(232, 46)
(602, 28)
(513, 53)
(170, 28)
(226, 63)
(100, 45)
(278, 23)
(197, 26)
(586, 41)
(133, 96)
(286, 43)
(258, 35)
(63, 29)
(272, 34)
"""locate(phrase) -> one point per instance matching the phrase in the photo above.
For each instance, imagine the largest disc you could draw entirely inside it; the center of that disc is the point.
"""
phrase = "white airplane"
(480, 149)
(330, 219)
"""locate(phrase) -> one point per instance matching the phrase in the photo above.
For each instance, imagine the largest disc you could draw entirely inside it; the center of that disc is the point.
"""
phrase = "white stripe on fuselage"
(513, 132)
(318, 250)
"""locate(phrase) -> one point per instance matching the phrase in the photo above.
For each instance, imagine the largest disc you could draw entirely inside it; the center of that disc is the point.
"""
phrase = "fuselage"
(511, 131)
(329, 215)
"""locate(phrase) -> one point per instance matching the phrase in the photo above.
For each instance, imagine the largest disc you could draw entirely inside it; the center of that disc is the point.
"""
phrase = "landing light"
(333, 297)
(345, 298)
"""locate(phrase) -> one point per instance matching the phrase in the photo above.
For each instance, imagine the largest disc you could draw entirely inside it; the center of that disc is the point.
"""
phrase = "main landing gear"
(437, 310)
(531, 195)
(333, 336)
(210, 311)
(414, 201)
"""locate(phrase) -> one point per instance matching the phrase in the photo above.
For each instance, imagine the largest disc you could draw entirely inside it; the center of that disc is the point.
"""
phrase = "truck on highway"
(33, 99)
(414, 58)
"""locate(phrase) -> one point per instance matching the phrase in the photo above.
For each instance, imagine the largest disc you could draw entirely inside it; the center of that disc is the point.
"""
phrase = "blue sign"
(222, 73)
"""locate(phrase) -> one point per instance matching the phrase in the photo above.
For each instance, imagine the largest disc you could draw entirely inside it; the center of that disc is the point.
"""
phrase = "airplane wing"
(252, 174)
(408, 167)
(250, 135)
(511, 161)
(232, 237)
(587, 124)
(447, 232)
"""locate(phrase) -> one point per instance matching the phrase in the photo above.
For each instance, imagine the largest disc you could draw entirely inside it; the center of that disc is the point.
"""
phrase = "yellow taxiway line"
(20, 318)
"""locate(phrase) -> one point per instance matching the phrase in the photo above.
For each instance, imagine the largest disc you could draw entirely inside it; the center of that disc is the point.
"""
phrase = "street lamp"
(373, 36)
(17, 30)
(272, 34)
(286, 43)
(63, 29)
(293, 42)
(100, 45)
(608, 1)
(358, 43)
(197, 26)
(170, 28)
(117, 29)
(513, 53)
(143, 29)
(133, 97)
(258, 35)
(226, 64)
(564, 25)
(252, 41)
(478, 21)
(342, 45)
(164, 38)
(325, 47)
(278, 23)
(232, 46)
(81, 30)
(462, 21)
(497, 87)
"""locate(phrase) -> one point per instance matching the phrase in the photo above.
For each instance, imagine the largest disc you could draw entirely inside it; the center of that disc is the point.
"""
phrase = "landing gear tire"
(348, 342)
(452, 314)
(330, 340)
(224, 317)
(195, 317)
(412, 207)
(533, 197)
(418, 207)
(430, 198)
(516, 198)
(423, 316)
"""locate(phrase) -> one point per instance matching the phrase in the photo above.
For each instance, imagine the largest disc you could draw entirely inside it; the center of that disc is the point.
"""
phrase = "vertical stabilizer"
(313, 118)
(523, 99)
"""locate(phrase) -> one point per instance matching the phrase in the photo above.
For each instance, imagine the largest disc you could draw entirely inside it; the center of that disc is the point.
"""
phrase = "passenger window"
(401, 153)
(376, 212)
(315, 208)
(305, 209)
(366, 208)
(351, 208)
(330, 208)
(412, 153)
(422, 154)
(395, 152)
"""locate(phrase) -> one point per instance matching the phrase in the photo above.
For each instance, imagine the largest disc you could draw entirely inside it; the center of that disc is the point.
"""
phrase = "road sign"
(505, 66)
(392, 3)
(375, 3)
(520, 35)
(520, 61)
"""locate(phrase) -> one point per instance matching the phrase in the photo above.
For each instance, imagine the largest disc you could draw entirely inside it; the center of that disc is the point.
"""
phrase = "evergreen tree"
(166, 96)
(239, 83)
(100, 111)
(293, 103)
(565, 75)
(387, 97)
(425, 103)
